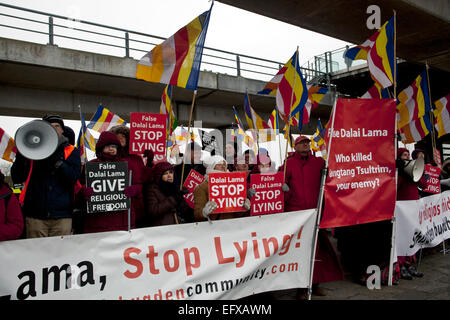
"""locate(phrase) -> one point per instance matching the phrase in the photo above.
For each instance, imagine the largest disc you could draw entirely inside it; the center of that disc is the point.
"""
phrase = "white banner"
(422, 223)
(225, 259)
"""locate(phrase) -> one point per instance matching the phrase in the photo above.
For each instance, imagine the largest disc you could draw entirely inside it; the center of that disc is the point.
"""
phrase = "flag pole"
(320, 200)
(433, 138)
(393, 220)
(277, 133)
(289, 118)
(189, 134)
(83, 134)
(256, 129)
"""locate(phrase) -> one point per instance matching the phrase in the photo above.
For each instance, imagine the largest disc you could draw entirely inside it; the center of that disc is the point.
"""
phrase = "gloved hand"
(285, 187)
(250, 193)
(209, 207)
(131, 191)
(247, 204)
(87, 192)
(184, 191)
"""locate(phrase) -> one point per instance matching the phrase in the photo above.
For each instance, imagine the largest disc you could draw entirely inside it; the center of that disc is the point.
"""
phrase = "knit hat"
(400, 151)
(54, 118)
(160, 168)
(211, 162)
(263, 159)
(106, 138)
(300, 139)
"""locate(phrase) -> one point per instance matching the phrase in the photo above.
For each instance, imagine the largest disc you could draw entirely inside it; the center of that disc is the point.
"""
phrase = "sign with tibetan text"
(108, 180)
(192, 181)
(228, 190)
(360, 185)
(148, 132)
(269, 197)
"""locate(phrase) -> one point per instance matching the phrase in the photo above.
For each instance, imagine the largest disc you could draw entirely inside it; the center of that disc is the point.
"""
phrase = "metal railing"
(47, 28)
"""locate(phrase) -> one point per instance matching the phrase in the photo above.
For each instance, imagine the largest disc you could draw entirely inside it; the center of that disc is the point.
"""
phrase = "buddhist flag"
(318, 139)
(442, 115)
(177, 60)
(103, 120)
(241, 131)
(166, 107)
(256, 122)
(85, 140)
(414, 101)
(378, 50)
(273, 120)
(8, 148)
(315, 95)
(416, 130)
(376, 92)
(282, 85)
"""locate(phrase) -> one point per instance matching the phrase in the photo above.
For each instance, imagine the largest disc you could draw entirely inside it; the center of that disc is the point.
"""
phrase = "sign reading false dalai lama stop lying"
(228, 190)
(269, 198)
(108, 180)
(360, 186)
(148, 132)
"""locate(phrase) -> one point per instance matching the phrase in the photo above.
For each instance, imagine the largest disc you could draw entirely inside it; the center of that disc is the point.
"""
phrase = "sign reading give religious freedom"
(108, 180)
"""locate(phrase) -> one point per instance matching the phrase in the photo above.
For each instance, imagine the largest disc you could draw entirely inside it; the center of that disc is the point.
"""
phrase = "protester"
(11, 219)
(203, 208)
(137, 167)
(240, 164)
(165, 203)
(193, 161)
(303, 177)
(249, 156)
(407, 190)
(48, 194)
(107, 149)
(263, 164)
(231, 154)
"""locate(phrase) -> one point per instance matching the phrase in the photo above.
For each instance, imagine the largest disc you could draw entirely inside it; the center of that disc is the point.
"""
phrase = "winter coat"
(11, 219)
(50, 192)
(407, 188)
(137, 167)
(162, 208)
(201, 197)
(303, 175)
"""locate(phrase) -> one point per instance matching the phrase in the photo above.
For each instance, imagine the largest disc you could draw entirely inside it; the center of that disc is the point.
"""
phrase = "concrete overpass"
(423, 26)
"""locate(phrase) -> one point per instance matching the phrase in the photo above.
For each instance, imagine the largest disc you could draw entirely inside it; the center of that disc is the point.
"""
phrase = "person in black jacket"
(48, 194)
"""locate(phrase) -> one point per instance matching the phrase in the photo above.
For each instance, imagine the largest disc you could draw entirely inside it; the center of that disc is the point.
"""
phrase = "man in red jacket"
(303, 176)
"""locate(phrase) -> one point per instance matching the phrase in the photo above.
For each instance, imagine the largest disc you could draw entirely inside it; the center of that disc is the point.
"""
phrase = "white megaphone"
(415, 168)
(36, 140)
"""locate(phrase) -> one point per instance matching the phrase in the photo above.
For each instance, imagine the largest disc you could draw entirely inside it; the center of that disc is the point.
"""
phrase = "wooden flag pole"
(189, 134)
(395, 54)
(277, 131)
(289, 118)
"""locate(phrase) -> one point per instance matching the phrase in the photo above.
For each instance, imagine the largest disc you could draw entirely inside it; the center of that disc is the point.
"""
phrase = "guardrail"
(47, 28)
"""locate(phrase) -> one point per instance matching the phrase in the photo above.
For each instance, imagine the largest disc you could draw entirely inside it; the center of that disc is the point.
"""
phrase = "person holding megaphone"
(48, 166)
(410, 176)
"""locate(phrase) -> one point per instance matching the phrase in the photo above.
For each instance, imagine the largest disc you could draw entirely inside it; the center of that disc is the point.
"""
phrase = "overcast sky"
(230, 29)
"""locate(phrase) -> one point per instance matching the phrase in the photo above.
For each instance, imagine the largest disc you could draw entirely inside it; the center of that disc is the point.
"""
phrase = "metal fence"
(46, 28)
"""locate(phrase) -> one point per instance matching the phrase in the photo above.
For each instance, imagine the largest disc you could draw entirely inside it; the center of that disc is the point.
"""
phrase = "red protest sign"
(269, 197)
(433, 183)
(228, 190)
(360, 186)
(148, 132)
(193, 180)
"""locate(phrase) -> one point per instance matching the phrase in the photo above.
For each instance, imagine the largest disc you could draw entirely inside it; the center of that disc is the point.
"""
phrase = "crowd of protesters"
(53, 202)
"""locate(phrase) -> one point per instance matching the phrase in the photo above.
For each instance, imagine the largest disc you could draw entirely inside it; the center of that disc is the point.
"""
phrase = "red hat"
(160, 168)
(106, 138)
(300, 139)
